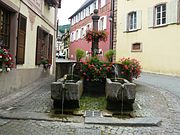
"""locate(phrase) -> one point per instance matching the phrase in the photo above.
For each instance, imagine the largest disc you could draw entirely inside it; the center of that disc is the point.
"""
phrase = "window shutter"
(38, 45)
(150, 17)
(172, 12)
(178, 18)
(91, 8)
(21, 39)
(96, 4)
(126, 23)
(139, 19)
(50, 49)
(105, 23)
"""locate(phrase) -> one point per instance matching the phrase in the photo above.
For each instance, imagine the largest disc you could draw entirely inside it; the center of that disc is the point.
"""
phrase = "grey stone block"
(71, 90)
(120, 91)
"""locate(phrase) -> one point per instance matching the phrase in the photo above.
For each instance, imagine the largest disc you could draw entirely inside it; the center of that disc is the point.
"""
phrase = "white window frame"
(82, 32)
(132, 21)
(102, 23)
(161, 17)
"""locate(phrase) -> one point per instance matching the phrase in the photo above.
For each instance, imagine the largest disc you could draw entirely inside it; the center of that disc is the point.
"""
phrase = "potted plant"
(109, 55)
(6, 60)
(130, 68)
(79, 54)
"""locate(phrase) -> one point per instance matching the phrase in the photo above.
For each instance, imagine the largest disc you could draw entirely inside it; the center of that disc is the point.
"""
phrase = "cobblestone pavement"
(170, 83)
(150, 102)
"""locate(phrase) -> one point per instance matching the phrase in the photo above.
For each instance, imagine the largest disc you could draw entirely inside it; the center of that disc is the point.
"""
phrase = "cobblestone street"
(36, 102)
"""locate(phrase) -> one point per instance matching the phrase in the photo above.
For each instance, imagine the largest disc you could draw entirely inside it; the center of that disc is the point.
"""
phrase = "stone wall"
(12, 81)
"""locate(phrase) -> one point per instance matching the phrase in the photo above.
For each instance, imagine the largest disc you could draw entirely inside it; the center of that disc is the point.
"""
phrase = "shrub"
(130, 68)
(109, 55)
(79, 54)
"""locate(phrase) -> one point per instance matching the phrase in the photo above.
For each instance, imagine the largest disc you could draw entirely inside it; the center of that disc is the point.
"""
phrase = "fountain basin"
(120, 93)
(70, 92)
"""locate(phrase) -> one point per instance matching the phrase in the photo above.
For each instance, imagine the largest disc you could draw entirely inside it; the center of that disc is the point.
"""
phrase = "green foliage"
(109, 55)
(79, 54)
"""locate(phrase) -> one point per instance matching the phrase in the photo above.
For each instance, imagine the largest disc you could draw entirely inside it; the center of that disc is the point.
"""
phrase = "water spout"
(115, 72)
(63, 91)
(72, 71)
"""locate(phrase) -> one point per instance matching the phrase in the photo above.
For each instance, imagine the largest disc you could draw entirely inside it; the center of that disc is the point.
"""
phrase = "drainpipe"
(111, 19)
(55, 37)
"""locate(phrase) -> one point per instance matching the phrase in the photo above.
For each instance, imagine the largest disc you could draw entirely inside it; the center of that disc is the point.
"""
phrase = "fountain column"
(95, 47)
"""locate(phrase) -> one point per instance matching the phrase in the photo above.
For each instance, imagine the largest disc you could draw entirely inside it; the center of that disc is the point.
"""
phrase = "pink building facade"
(81, 21)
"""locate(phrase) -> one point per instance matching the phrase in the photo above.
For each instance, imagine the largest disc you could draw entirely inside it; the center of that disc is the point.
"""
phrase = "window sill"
(135, 51)
(130, 31)
(159, 26)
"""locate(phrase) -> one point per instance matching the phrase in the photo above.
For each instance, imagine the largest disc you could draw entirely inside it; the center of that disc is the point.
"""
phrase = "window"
(132, 21)
(88, 27)
(160, 14)
(101, 23)
(43, 46)
(77, 33)
(89, 10)
(94, 5)
(4, 28)
(82, 32)
(136, 47)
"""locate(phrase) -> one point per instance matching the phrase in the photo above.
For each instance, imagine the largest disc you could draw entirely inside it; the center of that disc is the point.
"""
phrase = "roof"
(84, 5)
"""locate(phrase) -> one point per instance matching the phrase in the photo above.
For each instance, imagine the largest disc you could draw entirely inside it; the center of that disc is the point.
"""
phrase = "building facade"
(63, 41)
(149, 31)
(81, 21)
(28, 31)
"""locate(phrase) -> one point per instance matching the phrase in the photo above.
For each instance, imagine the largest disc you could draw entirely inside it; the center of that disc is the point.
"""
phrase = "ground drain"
(92, 113)
(88, 131)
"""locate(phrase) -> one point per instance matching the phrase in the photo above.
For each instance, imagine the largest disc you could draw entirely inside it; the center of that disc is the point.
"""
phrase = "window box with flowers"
(6, 60)
(130, 68)
(93, 35)
(95, 73)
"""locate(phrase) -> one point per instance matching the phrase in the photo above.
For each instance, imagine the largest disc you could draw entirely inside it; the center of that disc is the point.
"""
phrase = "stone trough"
(68, 91)
(120, 94)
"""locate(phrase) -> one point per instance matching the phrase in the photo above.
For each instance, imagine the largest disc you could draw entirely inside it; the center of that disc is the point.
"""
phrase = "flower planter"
(94, 88)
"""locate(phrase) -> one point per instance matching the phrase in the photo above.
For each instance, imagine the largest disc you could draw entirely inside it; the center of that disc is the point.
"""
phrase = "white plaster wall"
(160, 45)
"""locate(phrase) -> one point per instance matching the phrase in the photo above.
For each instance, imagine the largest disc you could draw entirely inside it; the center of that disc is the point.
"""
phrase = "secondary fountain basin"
(66, 91)
(120, 94)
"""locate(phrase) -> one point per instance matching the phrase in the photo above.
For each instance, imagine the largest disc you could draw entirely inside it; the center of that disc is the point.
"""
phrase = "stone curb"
(34, 116)
(119, 122)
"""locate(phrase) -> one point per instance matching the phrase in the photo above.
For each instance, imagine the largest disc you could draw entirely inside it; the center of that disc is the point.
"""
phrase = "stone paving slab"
(39, 116)
(3, 121)
(123, 122)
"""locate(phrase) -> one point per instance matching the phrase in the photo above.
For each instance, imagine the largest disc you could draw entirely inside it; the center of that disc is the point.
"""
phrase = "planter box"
(94, 88)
